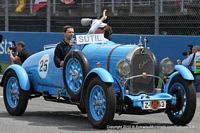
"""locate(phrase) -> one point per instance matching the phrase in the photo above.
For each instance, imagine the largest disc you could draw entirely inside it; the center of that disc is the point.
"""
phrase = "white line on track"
(1, 96)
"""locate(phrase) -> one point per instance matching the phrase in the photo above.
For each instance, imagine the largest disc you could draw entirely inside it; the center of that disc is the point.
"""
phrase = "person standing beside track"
(21, 55)
(192, 62)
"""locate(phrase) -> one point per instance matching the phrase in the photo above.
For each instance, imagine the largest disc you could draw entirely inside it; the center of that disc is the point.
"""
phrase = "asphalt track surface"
(48, 117)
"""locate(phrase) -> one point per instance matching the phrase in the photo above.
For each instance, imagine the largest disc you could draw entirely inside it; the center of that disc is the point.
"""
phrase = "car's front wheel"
(183, 111)
(15, 98)
(100, 103)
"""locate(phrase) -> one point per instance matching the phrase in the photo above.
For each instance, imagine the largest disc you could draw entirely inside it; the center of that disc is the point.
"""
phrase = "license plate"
(154, 105)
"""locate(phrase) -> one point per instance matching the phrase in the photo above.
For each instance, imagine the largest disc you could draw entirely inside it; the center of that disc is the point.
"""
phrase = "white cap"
(102, 25)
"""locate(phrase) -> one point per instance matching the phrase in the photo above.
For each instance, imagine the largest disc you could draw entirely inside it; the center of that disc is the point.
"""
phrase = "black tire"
(110, 104)
(190, 106)
(82, 109)
(78, 55)
(23, 97)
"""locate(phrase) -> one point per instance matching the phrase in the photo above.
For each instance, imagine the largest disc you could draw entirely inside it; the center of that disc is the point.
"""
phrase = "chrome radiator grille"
(142, 61)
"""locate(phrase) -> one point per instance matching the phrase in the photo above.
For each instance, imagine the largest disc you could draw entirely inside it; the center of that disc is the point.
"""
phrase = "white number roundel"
(43, 66)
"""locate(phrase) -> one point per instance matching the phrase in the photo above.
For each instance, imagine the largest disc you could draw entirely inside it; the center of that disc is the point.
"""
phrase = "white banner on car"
(90, 38)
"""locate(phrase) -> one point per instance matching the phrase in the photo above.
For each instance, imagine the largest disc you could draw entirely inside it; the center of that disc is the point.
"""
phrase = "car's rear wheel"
(184, 109)
(75, 69)
(15, 98)
(100, 103)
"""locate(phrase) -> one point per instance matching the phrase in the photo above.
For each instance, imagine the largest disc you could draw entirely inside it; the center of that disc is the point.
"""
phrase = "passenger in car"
(64, 46)
(99, 26)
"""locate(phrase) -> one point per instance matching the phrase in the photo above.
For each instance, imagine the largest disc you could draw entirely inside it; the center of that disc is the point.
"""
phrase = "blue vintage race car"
(103, 79)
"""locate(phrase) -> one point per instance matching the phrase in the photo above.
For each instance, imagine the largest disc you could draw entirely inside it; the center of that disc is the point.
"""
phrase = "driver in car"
(64, 46)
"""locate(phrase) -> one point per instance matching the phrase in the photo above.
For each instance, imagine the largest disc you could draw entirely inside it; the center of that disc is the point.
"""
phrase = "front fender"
(104, 75)
(183, 71)
(21, 74)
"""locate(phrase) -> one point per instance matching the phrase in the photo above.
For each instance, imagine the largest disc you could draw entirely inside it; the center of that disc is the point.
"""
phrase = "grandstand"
(176, 17)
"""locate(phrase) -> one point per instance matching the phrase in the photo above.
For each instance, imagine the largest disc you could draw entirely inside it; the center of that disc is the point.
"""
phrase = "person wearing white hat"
(99, 27)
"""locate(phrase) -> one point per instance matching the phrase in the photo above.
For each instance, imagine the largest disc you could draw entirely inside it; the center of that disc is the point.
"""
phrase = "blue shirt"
(186, 62)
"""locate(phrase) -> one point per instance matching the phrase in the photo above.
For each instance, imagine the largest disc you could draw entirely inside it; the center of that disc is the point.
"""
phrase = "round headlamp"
(123, 67)
(166, 66)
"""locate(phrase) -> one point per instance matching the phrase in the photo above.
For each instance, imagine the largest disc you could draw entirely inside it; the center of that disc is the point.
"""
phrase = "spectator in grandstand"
(191, 63)
(99, 26)
(21, 55)
(64, 46)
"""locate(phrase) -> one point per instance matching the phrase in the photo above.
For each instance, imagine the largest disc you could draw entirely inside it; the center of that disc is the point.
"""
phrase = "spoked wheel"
(75, 73)
(15, 98)
(100, 103)
(183, 111)
(75, 69)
